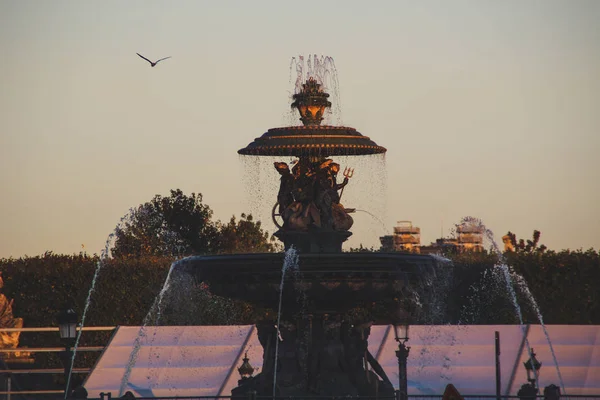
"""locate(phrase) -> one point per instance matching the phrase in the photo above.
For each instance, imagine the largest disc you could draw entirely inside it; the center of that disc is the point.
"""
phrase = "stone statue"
(290, 376)
(359, 359)
(284, 197)
(304, 178)
(334, 169)
(267, 334)
(325, 196)
(330, 365)
(8, 340)
(309, 196)
(342, 221)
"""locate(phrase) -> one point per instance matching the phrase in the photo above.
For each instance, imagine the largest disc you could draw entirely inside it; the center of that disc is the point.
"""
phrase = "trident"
(348, 173)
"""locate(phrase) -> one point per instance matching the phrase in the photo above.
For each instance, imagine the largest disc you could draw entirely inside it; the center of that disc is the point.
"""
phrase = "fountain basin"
(323, 283)
(321, 141)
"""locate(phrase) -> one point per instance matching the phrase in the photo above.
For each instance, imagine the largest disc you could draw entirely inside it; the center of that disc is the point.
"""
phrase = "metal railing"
(10, 373)
(108, 396)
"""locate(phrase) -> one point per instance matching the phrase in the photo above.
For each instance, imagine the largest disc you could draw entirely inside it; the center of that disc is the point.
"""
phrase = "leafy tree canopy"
(244, 236)
(181, 225)
(522, 246)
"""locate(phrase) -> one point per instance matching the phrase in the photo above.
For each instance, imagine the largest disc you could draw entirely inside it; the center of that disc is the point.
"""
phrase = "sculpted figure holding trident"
(285, 197)
(342, 221)
(309, 196)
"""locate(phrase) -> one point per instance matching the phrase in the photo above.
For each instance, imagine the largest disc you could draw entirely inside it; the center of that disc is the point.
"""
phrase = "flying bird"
(152, 64)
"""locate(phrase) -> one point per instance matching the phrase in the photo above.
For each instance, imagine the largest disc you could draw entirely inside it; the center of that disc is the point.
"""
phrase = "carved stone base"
(317, 356)
(313, 241)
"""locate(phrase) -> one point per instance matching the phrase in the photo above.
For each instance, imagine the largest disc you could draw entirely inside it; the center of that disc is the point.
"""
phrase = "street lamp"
(246, 370)
(401, 333)
(67, 328)
(532, 365)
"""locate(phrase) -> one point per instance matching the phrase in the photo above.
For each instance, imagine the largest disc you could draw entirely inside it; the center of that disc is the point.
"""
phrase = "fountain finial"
(311, 102)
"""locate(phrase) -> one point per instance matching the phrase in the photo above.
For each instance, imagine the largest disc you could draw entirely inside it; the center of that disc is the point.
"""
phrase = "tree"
(182, 225)
(244, 236)
(175, 225)
(520, 246)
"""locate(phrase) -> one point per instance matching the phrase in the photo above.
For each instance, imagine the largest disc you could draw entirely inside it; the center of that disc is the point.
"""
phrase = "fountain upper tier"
(312, 139)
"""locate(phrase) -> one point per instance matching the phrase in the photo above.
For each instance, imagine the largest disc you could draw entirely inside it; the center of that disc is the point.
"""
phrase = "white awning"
(203, 360)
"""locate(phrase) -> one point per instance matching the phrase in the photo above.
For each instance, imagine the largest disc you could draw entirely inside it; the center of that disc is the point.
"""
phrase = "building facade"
(407, 238)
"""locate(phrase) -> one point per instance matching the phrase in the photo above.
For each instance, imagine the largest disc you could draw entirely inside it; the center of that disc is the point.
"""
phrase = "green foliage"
(41, 286)
(478, 292)
(244, 236)
(564, 284)
(174, 225)
(529, 246)
(363, 249)
(125, 291)
(182, 225)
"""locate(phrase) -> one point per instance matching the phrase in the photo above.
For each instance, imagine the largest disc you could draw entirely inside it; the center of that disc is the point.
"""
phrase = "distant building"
(470, 237)
(406, 237)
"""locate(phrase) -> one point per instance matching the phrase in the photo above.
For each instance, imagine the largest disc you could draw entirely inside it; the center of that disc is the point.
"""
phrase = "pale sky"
(487, 108)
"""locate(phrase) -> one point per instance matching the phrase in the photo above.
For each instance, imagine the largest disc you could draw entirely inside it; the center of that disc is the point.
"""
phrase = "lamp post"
(246, 369)
(67, 328)
(401, 333)
(532, 365)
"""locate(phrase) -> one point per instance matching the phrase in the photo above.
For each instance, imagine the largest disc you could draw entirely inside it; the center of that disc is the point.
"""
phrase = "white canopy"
(203, 360)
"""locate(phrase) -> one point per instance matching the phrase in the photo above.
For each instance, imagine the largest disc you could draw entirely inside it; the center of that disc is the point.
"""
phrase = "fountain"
(317, 345)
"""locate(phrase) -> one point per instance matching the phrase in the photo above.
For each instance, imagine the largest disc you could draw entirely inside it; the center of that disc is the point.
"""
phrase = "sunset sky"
(487, 108)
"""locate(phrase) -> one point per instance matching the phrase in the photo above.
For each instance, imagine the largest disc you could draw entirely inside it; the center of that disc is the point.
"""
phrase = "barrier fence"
(12, 393)
(10, 390)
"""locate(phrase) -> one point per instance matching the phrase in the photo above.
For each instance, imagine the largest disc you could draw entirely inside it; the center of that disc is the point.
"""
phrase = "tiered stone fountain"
(327, 306)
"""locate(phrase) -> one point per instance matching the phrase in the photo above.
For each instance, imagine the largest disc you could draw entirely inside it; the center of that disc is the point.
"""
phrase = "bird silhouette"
(152, 64)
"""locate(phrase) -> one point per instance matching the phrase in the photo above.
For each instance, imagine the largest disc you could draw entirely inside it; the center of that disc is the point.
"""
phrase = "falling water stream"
(523, 285)
(375, 218)
(290, 262)
(99, 266)
(101, 262)
(508, 275)
(511, 290)
(154, 312)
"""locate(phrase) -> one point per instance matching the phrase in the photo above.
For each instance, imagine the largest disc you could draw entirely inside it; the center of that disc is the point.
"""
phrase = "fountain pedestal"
(318, 355)
(314, 241)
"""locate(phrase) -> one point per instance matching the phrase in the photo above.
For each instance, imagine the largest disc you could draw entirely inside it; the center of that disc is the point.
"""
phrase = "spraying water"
(523, 286)
(323, 70)
(101, 262)
(154, 312)
(508, 277)
(290, 262)
(375, 218)
(511, 290)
